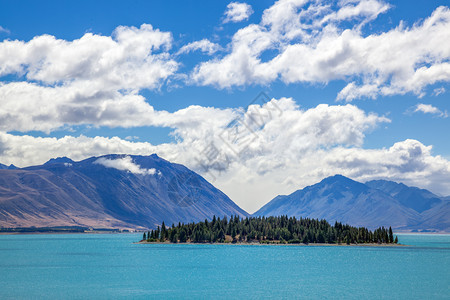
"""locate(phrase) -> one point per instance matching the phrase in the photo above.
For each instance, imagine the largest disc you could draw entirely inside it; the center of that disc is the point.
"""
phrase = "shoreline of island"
(142, 231)
(275, 244)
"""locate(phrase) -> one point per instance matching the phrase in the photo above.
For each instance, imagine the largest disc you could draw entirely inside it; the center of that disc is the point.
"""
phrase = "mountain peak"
(338, 178)
(59, 160)
(10, 167)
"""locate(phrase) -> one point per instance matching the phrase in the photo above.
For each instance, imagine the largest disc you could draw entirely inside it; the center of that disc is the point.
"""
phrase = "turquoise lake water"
(110, 266)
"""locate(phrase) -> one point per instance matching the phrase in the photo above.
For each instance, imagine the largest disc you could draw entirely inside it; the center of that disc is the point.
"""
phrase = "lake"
(105, 266)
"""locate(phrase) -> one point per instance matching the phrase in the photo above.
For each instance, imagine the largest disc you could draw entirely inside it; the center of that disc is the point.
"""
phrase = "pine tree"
(163, 232)
(233, 232)
(221, 235)
(144, 237)
(391, 235)
(157, 233)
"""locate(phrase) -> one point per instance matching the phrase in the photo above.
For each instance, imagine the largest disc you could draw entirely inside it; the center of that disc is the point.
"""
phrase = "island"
(268, 230)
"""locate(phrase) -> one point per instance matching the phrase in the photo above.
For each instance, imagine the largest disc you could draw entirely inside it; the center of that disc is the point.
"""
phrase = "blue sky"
(170, 101)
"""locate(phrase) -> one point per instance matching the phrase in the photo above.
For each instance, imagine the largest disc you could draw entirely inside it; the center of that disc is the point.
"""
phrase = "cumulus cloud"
(28, 106)
(92, 80)
(429, 109)
(132, 58)
(316, 42)
(124, 164)
(237, 12)
(204, 45)
(198, 126)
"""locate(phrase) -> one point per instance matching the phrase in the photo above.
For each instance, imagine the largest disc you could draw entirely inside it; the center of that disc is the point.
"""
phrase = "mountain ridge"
(370, 204)
(111, 191)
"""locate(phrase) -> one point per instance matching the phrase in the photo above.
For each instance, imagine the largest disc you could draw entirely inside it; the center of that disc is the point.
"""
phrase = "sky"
(260, 97)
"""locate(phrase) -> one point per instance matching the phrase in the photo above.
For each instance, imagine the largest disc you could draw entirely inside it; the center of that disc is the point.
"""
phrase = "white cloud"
(204, 45)
(365, 9)
(132, 58)
(27, 150)
(28, 106)
(429, 109)
(237, 12)
(311, 43)
(92, 80)
(124, 164)
(198, 126)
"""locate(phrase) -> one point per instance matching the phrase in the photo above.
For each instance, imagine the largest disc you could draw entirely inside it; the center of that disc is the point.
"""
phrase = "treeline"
(268, 230)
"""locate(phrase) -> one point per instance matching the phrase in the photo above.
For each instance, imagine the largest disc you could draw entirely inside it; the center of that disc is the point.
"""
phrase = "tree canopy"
(280, 229)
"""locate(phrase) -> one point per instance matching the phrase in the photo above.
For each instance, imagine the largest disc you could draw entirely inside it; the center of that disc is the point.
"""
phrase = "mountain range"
(371, 204)
(139, 192)
(112, 191)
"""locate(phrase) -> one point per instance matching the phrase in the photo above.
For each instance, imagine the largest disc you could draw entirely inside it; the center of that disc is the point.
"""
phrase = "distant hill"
(373, 204)
(112, 191)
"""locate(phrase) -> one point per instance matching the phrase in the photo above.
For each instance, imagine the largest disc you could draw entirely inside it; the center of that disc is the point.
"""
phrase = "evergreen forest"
(268, 230)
